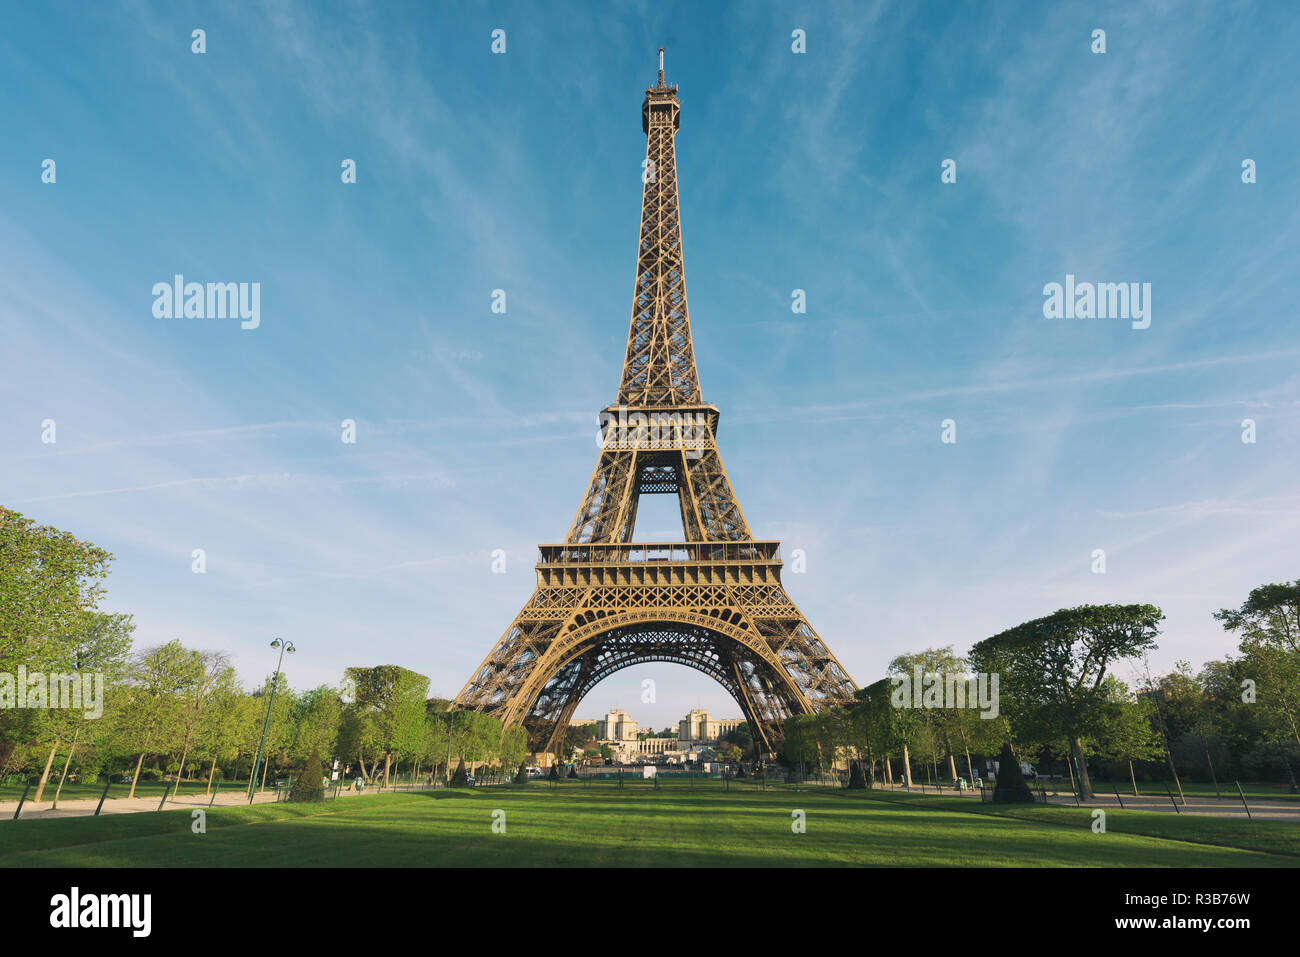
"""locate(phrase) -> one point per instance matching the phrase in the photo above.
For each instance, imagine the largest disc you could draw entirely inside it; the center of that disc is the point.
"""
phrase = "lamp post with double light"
(283, 646)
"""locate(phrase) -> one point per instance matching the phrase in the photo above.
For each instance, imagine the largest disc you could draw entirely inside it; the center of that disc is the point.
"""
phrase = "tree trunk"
(266, 764)
(45, 775)
(66, 764)
(1085, 783)
(180, 771)
(907, 768)
(1206, 748)
(212, 771)
(1133, 777)
(1169, 755)
(136, 778)
(388, 763)
(1069, 766)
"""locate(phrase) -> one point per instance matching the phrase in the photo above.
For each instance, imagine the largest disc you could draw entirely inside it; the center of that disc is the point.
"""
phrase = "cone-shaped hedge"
(521, 776)
(307, 786)
(555, 772)
(460, 778)
(1011, 787)
(857, 780)
(573, 771)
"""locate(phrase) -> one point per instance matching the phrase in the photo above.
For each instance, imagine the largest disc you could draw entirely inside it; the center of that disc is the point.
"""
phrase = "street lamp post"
(283, 646)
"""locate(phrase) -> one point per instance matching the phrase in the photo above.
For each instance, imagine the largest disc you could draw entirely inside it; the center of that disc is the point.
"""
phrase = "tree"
(387, 714)
(1127, 729)
(97, 648)
(938, 718)
(231, 716)
(49, 580)
(1056, 664)
(160, 679)
(316, 716)
(209, 668)
(514, 745)
(48, 577)
(1268, 622)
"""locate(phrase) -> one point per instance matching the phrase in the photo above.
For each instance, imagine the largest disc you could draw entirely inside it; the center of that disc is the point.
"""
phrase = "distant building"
(616, 726)
(700, 727)
(697, 732)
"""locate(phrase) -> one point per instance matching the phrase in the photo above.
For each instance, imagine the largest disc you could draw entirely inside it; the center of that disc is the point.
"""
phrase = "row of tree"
(176, 710)
(1059, 700)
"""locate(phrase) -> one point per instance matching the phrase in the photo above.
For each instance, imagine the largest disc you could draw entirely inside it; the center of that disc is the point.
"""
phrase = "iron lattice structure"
(713, 602)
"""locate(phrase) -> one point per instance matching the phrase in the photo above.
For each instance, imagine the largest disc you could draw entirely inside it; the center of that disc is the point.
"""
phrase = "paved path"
(123, 805)
(1228, 806)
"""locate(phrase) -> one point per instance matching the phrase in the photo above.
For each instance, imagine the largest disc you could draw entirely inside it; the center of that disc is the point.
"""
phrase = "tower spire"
(659, 365)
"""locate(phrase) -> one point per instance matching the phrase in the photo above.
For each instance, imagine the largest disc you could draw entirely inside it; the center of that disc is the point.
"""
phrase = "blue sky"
(818, 171)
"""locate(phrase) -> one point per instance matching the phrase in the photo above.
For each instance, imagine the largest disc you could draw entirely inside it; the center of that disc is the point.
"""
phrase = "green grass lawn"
(603, 825)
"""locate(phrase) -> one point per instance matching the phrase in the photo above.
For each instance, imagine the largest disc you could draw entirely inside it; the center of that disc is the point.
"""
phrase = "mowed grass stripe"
(573, 826)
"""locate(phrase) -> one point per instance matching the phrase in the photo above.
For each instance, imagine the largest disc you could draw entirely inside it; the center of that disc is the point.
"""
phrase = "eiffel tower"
(713, 602)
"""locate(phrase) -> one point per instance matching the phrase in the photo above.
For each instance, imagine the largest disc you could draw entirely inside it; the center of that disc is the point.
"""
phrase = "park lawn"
(1270, 837)
(575, 826)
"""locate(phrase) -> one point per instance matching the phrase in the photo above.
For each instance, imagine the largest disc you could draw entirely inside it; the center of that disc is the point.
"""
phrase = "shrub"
(555, 772)
(521, 776)
(1011, 787)
(307, 786)
(857, 780)
(573, 771)
(460, 778)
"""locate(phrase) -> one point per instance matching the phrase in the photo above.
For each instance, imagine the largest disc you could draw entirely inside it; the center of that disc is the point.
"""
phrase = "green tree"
(1126, 729)
(387, 715)
(48, 577)
(231, 714)
(210, 669)
(316, 718)
(1268, 624)
(159, 682)
(1057, 664)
